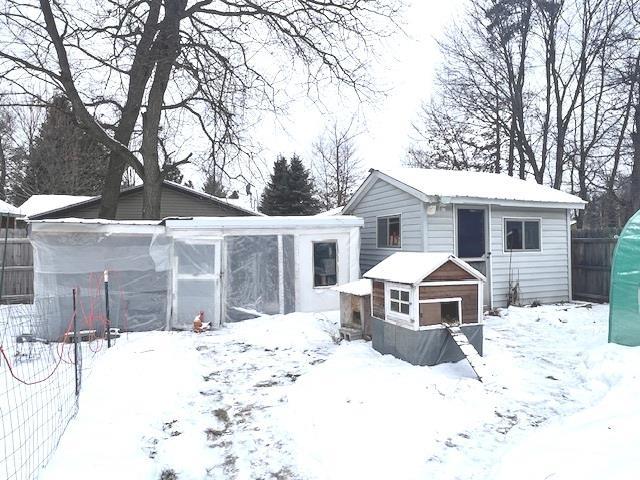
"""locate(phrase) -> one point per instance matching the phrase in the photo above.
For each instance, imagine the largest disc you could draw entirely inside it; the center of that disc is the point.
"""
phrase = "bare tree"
(337, 169)
(130, 67)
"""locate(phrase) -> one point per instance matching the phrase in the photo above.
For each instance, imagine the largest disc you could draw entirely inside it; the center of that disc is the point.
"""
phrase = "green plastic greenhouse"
(624, 315)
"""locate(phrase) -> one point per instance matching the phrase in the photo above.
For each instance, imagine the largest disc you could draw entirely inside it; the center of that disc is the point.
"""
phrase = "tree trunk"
(3, 172)
(141, 69)
(169, 49)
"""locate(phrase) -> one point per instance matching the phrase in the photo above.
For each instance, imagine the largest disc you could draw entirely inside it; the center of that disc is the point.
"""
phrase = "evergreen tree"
(302, 194)
(63, 160)
(290, 190)
(213, 186)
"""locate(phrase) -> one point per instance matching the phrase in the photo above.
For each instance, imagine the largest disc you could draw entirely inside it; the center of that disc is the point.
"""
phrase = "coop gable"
(449, 271)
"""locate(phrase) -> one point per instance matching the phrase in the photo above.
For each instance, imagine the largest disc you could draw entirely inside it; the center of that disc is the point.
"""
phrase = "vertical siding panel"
(542, 276)
(385, 199)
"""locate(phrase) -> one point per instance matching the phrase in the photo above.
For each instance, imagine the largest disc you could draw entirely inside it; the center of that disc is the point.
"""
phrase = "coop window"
(325, 268)
(521, 235)
(389, 232)
(399, 301)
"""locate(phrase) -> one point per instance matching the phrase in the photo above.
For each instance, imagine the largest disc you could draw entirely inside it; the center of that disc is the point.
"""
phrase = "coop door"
(196, 282)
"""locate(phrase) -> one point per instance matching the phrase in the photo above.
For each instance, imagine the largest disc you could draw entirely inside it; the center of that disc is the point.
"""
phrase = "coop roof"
(413, 267)
(453, 186)
(359, 288)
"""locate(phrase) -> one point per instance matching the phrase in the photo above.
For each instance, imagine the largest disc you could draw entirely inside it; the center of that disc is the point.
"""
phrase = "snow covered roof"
(412, 267)
(330, 213)
(275, 222)
(453, 186)
(8, 209)
(359, 288)
(37, 204)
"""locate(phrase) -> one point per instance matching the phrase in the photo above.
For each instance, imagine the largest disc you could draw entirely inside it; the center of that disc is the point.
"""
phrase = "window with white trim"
(399, 301)
(325, 264)
(521, 235)
(389, 232)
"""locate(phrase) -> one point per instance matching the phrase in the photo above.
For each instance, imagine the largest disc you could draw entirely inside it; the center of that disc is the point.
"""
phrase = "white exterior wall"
(384, 199)
(315, 299)
(543, 276)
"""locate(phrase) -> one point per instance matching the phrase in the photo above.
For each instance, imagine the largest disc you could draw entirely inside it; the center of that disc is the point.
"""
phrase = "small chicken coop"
(355, 309)
(426, 308)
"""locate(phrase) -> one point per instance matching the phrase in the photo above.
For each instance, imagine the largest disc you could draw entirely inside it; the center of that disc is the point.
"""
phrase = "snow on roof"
(330, 213)
(37, 204)
(8, 209)
(359, 288)
(479, 185)
(274, 222)
(412, 267)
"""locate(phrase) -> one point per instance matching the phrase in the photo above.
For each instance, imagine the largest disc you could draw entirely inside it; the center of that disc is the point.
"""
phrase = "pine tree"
(63, 160)
(302, 196)
(290, 190)
(275, 196)
(213, 186)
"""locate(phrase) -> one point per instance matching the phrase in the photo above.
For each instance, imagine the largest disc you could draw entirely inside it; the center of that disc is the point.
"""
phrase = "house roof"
(455, 186)
(89, 201)
(37, 204)
(413, 267)
(8, 209)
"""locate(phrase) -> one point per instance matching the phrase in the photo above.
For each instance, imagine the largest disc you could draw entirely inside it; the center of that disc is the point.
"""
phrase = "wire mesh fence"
(40, 380)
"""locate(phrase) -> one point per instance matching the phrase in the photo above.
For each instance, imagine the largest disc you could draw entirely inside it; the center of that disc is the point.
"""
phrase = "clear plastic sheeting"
(138, 281)
(164, 275)
(259, 275)
(624, 316)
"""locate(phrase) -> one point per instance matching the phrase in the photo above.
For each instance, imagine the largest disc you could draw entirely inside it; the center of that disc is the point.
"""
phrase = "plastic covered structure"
(624, 314)
(164, 274)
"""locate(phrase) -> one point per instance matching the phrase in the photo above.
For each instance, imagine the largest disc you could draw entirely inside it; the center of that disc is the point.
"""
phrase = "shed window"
(399, 301)
(522, 235)
(389, 230)
(325, 269)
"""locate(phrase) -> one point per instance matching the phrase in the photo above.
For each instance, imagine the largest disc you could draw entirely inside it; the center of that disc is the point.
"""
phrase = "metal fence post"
(106, 300)
(75, 344)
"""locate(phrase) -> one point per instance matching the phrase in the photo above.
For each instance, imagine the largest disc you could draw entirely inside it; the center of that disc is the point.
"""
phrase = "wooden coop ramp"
(468, 350)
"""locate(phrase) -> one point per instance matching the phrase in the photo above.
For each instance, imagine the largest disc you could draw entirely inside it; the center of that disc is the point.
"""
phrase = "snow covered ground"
(276, 397)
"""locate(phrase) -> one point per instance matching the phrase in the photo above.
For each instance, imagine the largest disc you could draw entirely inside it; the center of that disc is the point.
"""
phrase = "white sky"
(405, 70)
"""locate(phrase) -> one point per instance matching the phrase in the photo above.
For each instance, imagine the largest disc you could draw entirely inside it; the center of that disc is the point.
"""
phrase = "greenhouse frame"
(624, 296)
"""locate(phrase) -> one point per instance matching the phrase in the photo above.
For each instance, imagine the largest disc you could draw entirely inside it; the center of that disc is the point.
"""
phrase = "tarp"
(624, 313)
(421, 347)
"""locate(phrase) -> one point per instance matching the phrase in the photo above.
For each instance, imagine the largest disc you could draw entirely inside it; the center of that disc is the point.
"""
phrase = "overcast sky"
(404, 70)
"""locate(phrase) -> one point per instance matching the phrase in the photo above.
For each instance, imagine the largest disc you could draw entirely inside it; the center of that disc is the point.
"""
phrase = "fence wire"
(39, 384)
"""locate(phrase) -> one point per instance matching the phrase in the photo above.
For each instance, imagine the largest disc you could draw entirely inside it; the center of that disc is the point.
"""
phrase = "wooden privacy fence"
(591, 268)
(18, 270)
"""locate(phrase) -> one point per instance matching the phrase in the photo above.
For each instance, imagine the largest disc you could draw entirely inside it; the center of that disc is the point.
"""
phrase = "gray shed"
(515, 232)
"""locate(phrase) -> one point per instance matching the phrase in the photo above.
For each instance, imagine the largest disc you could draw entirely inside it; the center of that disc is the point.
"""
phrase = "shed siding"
(385, 199)
(173, 204)
(544, 275)
(440, 231)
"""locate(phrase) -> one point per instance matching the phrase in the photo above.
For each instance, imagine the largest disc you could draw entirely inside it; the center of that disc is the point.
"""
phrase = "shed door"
(472, 241)
(196, 281)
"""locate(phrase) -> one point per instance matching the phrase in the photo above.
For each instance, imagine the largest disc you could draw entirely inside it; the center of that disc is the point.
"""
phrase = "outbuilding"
(416, 298)
(163, 273)
(515, 232)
